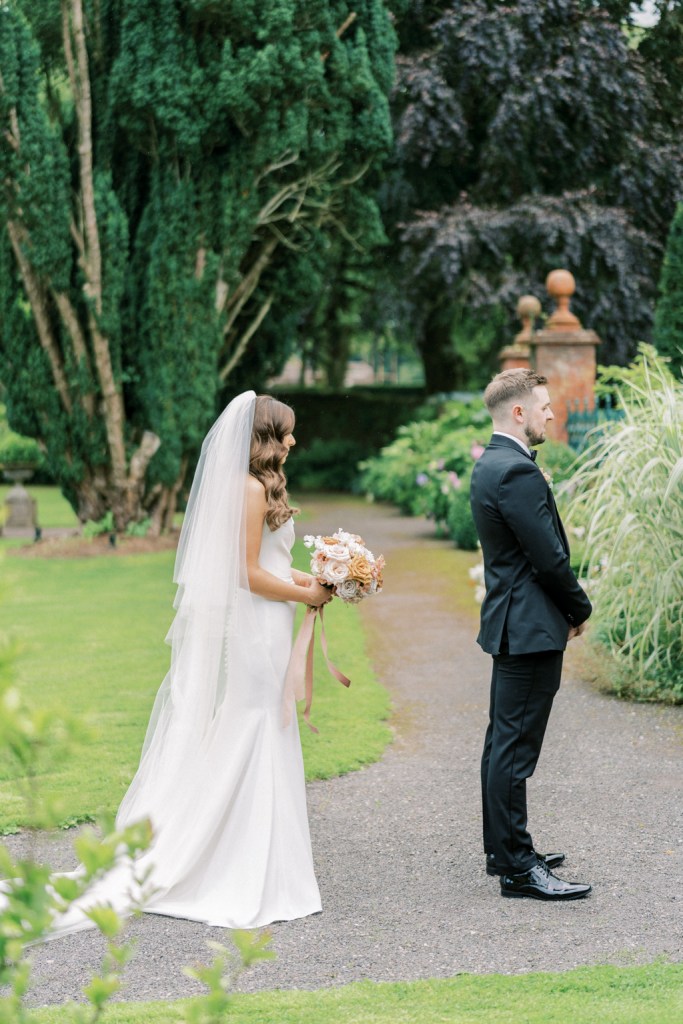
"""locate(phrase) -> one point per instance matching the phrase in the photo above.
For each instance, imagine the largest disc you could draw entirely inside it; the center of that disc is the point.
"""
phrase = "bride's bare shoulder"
(255, 488)
(255, 497)
(255, 507)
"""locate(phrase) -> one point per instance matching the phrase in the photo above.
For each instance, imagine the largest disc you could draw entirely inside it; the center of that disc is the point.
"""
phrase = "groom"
(533, 606)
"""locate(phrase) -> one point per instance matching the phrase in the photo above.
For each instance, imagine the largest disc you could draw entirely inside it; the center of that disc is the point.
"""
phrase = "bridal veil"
(214, 629)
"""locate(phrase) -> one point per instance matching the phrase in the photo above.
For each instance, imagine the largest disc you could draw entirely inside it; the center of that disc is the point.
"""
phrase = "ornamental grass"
(628, 495)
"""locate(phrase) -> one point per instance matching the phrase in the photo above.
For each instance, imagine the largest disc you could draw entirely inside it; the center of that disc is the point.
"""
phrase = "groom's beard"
(532, 438)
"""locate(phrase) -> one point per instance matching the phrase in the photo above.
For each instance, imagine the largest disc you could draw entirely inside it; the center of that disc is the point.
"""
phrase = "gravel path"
(397, 846)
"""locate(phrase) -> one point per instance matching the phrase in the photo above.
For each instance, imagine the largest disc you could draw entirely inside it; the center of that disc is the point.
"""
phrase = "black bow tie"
(533, 454)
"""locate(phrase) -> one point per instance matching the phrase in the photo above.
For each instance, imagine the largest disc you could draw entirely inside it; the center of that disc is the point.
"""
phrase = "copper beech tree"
(530, 136)
(167, 168)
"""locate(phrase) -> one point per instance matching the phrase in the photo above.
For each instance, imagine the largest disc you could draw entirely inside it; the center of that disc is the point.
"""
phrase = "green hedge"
(15, 449)
(335, 430)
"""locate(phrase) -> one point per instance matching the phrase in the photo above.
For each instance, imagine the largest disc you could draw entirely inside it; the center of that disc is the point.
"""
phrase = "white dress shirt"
(521, 444)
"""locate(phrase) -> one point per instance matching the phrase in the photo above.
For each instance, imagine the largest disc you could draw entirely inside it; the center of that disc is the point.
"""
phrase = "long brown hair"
(273, 420)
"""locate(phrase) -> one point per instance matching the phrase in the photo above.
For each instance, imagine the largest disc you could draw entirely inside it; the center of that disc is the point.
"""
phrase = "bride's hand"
(303, 579)
(318, 595)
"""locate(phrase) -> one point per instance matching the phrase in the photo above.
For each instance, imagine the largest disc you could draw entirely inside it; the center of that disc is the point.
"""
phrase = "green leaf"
(106, 919)
(253, 946)
(101, 989)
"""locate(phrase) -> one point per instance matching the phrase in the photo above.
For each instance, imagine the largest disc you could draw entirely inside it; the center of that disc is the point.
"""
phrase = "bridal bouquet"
(343, 562)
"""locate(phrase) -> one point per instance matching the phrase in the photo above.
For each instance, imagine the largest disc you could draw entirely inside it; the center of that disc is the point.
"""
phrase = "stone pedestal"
(21, 508)
(567, 359)
(565, 353)
(515, 356)
(518, 355)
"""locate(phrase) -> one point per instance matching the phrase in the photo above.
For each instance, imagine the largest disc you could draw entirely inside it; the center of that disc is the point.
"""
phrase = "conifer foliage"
(668, 333)
(165, 167)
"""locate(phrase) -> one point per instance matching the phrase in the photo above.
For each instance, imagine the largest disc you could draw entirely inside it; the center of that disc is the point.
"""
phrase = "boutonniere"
(548, 479)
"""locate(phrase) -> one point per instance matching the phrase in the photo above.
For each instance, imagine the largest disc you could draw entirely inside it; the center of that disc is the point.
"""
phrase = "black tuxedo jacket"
(531, 592)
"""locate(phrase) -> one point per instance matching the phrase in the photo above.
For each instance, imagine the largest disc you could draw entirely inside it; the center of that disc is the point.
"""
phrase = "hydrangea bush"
(427, 469)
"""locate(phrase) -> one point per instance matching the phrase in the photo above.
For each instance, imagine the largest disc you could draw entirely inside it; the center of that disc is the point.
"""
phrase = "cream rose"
(337, 552)
(334, 572)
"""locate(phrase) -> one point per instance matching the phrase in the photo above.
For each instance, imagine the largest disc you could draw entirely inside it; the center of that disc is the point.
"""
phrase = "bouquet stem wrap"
(299, 677)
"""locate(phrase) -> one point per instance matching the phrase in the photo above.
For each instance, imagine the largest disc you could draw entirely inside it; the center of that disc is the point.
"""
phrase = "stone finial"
(561, 286)
(528, 308)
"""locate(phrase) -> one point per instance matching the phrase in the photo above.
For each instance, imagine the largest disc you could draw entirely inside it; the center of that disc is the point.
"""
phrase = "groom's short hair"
(511, 384)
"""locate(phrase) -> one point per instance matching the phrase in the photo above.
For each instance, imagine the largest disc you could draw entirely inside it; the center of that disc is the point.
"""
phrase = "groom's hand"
(576, 630)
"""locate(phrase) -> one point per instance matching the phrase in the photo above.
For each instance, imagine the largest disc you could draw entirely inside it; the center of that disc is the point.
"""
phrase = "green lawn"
(92, 631)
(587, 995)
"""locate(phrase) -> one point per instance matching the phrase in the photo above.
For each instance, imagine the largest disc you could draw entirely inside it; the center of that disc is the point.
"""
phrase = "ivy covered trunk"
(165, 167)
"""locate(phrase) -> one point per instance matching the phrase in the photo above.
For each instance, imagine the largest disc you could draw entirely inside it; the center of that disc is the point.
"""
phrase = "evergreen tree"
(668, 332)
(661, 47)
(529, 136)
(168, 167)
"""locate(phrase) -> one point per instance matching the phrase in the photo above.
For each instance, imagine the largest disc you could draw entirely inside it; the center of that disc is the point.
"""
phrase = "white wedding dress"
(231, 840)
(236, 850)
(221, 775)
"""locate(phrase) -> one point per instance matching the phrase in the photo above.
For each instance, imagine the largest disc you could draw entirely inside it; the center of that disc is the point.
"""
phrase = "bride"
(221, 777)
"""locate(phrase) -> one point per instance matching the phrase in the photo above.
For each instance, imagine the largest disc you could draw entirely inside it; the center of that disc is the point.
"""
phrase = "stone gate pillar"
(565, 353)
(519, 354)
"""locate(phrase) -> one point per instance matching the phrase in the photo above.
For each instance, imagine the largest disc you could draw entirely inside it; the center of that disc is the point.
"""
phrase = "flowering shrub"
(460, 523)
(427, 469)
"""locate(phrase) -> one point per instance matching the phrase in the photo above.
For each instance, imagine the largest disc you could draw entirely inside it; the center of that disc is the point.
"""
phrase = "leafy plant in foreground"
(32, 895)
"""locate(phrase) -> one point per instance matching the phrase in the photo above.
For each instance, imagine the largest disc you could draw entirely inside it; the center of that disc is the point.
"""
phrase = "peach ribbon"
(299, 676)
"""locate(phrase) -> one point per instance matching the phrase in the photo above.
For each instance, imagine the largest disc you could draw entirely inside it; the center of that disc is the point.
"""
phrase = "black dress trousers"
(522, 690)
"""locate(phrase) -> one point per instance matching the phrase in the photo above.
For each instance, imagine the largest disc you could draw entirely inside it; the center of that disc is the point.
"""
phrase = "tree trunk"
(334, 357)
(161, 510)
(114, 414)
(92, 503)
(439, 358)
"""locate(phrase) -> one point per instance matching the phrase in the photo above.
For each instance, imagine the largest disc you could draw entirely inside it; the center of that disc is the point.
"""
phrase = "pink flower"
(455, 481)
(476, 451)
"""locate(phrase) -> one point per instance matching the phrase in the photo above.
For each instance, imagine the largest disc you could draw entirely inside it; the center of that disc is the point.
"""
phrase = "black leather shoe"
(541, 884)
(552, 860)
